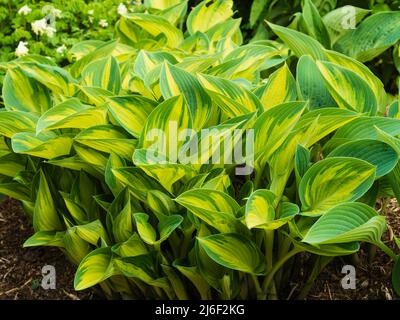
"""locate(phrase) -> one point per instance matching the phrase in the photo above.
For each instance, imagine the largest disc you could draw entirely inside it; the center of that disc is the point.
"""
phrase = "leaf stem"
(259, 291)
(386, 250)
(268, 279)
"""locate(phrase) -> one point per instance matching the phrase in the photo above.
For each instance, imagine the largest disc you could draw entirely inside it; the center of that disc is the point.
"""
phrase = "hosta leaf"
(146, 62)
(315, 25)
(329, 250)
(164, 125)
(92, 232)
(372, 37)
(166, 173)
(206, 15)
(274, 125)
(311, 84)
(145, 229)
(96, 159)
(54, 78)
(11, 164)
(323, 122)
(281, 87)
(132, 247)
(96, 267)
(234, 251)
(159, 202)
(77, 164)
(75, 247)
(334, 180)
(167, 225)
(74, 208)
(114, 162)
(212, 200)
(298, 42)
(233, 99)
(103, 73)
(156, 25)
(262, 55)
(45, 238)
(257, 8)
(175, 81)
(131, 112)
(123, 223)
(364, 128)
(102, 51)
(82, 48)
(211, 143)
(302, 161)
(161, 4)
(347, 222)
(260, 208)
(176, 13)
(95, 95)
(21, 92)
(46, 145)
(45, 216)
(143, 268)
(71, 114)
(364, 72)
(213, 207)
(108, 139)
(138, 182)
(375, 152)
(16, 190)
(193, 274)
(12, 122)
(229, 29)
(348, 89)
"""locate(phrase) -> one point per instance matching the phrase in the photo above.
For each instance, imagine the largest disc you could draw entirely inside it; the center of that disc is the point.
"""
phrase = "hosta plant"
(111, 156)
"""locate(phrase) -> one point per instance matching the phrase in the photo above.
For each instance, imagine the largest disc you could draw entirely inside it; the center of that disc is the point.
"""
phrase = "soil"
(21, 269)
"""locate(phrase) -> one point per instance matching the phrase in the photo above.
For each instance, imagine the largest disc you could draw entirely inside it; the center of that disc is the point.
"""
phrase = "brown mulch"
(21, 269)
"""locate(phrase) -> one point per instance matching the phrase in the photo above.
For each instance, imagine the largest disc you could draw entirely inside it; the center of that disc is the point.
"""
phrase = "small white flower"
(39, 26)
(122, 9)
(61, 49)
(22, 49)
(25, 10)
(103, 23)
(90, 12)
(56, 12)
(50, 31)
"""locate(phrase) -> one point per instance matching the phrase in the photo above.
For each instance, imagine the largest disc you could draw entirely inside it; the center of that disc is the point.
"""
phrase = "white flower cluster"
(22, 49)
(62, 49)
(103, 23)
(122, 9)
(25, 10)
(41, 26)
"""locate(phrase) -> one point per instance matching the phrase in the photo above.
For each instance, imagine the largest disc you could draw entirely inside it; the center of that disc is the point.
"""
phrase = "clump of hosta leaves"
(75, 152)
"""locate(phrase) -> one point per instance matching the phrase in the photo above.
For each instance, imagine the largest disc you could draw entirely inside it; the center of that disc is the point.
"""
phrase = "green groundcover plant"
(75, 150)
(66, 23)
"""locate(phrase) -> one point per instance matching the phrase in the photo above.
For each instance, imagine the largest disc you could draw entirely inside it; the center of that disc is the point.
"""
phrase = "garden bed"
(20, 269)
